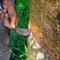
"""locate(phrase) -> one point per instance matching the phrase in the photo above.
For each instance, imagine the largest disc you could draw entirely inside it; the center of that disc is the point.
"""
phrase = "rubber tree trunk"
(45, 26)
(4, 42)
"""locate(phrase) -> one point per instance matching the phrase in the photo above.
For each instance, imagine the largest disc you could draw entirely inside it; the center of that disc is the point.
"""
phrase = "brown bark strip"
(44, 25)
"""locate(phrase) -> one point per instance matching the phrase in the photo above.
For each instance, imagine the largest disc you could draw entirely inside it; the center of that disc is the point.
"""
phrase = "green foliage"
(23, 12)
(19, 42)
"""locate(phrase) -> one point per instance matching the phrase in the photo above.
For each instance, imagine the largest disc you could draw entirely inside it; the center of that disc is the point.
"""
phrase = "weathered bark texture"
(4, 42)
(45, 26)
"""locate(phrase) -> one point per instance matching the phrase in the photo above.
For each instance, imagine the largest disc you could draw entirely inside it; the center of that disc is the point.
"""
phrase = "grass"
(19, 42)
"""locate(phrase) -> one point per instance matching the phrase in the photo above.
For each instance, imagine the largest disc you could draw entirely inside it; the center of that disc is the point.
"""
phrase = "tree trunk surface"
(4, 42)
(44, 24)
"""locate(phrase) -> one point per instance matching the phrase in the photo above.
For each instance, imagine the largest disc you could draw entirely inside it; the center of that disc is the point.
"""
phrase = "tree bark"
(4, 42)
(45, 26)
